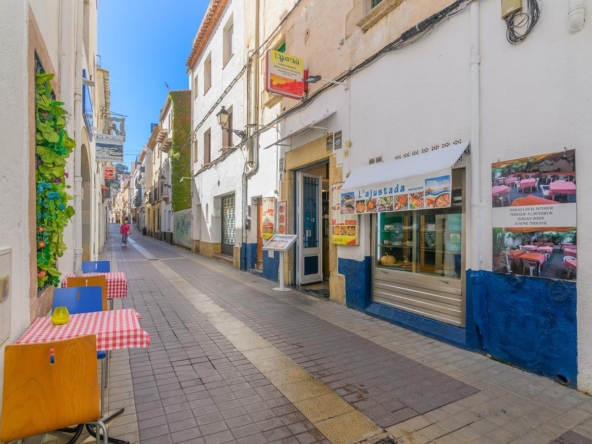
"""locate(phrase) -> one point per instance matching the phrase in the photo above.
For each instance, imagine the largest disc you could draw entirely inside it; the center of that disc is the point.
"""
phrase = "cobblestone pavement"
(231, 360)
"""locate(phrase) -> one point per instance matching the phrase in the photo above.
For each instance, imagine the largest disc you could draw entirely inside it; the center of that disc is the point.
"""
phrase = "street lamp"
(222, 117)
(162, 180)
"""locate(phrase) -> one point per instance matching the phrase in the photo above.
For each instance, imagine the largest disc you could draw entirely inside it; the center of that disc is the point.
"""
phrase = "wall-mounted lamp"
(162, 180)
(315, 79)
(222, 117)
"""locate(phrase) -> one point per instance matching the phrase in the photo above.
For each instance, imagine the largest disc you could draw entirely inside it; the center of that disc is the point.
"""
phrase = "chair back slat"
(90, 281)
(96, 266)
(79, 299)
(40, 396)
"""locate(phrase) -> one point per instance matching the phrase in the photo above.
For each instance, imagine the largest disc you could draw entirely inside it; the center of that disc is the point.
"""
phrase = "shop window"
(423, 241)
(419, 253)
(374, 3)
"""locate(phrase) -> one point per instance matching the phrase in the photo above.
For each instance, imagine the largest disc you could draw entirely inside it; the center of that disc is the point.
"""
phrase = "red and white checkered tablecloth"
(116, 283)
(116, 329)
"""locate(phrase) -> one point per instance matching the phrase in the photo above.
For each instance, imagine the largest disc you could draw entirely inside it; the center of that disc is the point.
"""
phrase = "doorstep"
(224, 258)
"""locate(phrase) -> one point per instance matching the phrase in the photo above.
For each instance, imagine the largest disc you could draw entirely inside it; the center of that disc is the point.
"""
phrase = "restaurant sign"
(413, 193)
(109, 148)
(284, 75)
(534, 216)
(268, 213)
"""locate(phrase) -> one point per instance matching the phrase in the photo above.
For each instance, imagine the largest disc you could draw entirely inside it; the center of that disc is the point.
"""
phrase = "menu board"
(411, 194)
(344, 227)
(280, 242)
(268, 218)
(282, 223)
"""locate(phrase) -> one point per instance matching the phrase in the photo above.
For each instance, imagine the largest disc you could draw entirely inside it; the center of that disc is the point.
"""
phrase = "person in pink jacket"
(125, 231)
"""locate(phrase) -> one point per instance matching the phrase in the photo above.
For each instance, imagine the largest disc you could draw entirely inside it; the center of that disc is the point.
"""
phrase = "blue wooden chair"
(96, 267)
(83, 300)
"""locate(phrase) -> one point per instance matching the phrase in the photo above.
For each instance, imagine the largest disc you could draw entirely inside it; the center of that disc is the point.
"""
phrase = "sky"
(143, 44)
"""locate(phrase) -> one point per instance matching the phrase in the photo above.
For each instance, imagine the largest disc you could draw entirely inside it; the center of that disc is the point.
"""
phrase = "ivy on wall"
(53, 146)
(181, 149)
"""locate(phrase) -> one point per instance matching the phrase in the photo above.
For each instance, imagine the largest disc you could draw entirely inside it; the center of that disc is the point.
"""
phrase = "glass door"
(310, 252)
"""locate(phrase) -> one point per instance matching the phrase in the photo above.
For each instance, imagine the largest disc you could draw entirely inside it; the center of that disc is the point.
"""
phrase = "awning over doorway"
(303, 129)
(411, 173)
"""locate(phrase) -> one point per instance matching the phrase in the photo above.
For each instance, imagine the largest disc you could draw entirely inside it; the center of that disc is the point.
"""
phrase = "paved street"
(233, 361)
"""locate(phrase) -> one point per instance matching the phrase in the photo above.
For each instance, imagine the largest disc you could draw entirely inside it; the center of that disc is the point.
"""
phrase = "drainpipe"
(476, 198)
(252, 122)
(79, 20)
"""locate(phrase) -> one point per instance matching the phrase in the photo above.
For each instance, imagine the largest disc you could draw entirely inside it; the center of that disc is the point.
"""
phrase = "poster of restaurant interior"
(534, 216)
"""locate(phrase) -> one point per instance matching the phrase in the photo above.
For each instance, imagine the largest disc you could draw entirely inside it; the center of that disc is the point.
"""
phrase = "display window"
(418, 256)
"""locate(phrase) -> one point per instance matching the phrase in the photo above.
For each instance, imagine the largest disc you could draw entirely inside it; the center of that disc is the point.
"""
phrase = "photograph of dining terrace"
(538, 180)
(529, 251)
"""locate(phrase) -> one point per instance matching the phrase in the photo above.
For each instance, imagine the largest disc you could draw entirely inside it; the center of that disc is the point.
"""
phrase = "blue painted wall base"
(249, 257)
(271, 266)
(527, 322)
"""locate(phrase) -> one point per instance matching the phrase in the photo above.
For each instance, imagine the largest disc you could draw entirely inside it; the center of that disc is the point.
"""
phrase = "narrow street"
(233, 361)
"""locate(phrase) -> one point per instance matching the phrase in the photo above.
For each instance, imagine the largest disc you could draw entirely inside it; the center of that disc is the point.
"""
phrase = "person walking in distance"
(125, 231)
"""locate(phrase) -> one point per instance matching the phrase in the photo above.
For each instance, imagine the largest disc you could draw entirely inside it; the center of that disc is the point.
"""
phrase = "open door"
(310, 251)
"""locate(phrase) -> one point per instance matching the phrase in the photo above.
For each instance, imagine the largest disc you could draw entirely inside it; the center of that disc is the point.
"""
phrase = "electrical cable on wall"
(520, 20)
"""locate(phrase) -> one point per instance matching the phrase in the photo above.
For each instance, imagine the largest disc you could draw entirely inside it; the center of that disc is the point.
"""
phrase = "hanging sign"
(109, 148)
(282, 223)
(268, 218)
(414, 193)
(109, 172)
(534, 216)
(284, 75)
(344, 227)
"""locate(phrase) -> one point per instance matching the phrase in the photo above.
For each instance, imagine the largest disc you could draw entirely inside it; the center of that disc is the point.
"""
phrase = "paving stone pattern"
(192, 385)
(386, 386)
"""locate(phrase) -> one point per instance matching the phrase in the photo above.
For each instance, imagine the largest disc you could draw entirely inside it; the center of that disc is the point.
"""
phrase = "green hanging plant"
(53, 212)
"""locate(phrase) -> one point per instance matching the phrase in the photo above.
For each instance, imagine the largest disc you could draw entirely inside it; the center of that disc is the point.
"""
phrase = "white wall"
(229, 171)
(14, 180)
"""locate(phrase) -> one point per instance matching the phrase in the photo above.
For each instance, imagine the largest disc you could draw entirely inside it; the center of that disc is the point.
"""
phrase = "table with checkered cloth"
(116, 329)
(116, 283)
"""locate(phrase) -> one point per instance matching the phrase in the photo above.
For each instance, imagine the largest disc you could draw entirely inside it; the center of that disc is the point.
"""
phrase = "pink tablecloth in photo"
(560, 187)
(510, 180)
(499, 190)
(116, 329)
(570, 252)
(527, 183)
(546, 249)
(571, 263)
(116, 283)
(529, 247)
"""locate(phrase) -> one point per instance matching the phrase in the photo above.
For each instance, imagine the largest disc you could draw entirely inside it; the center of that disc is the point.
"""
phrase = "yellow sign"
(285, 75)
(344, 227)
(267, 227)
